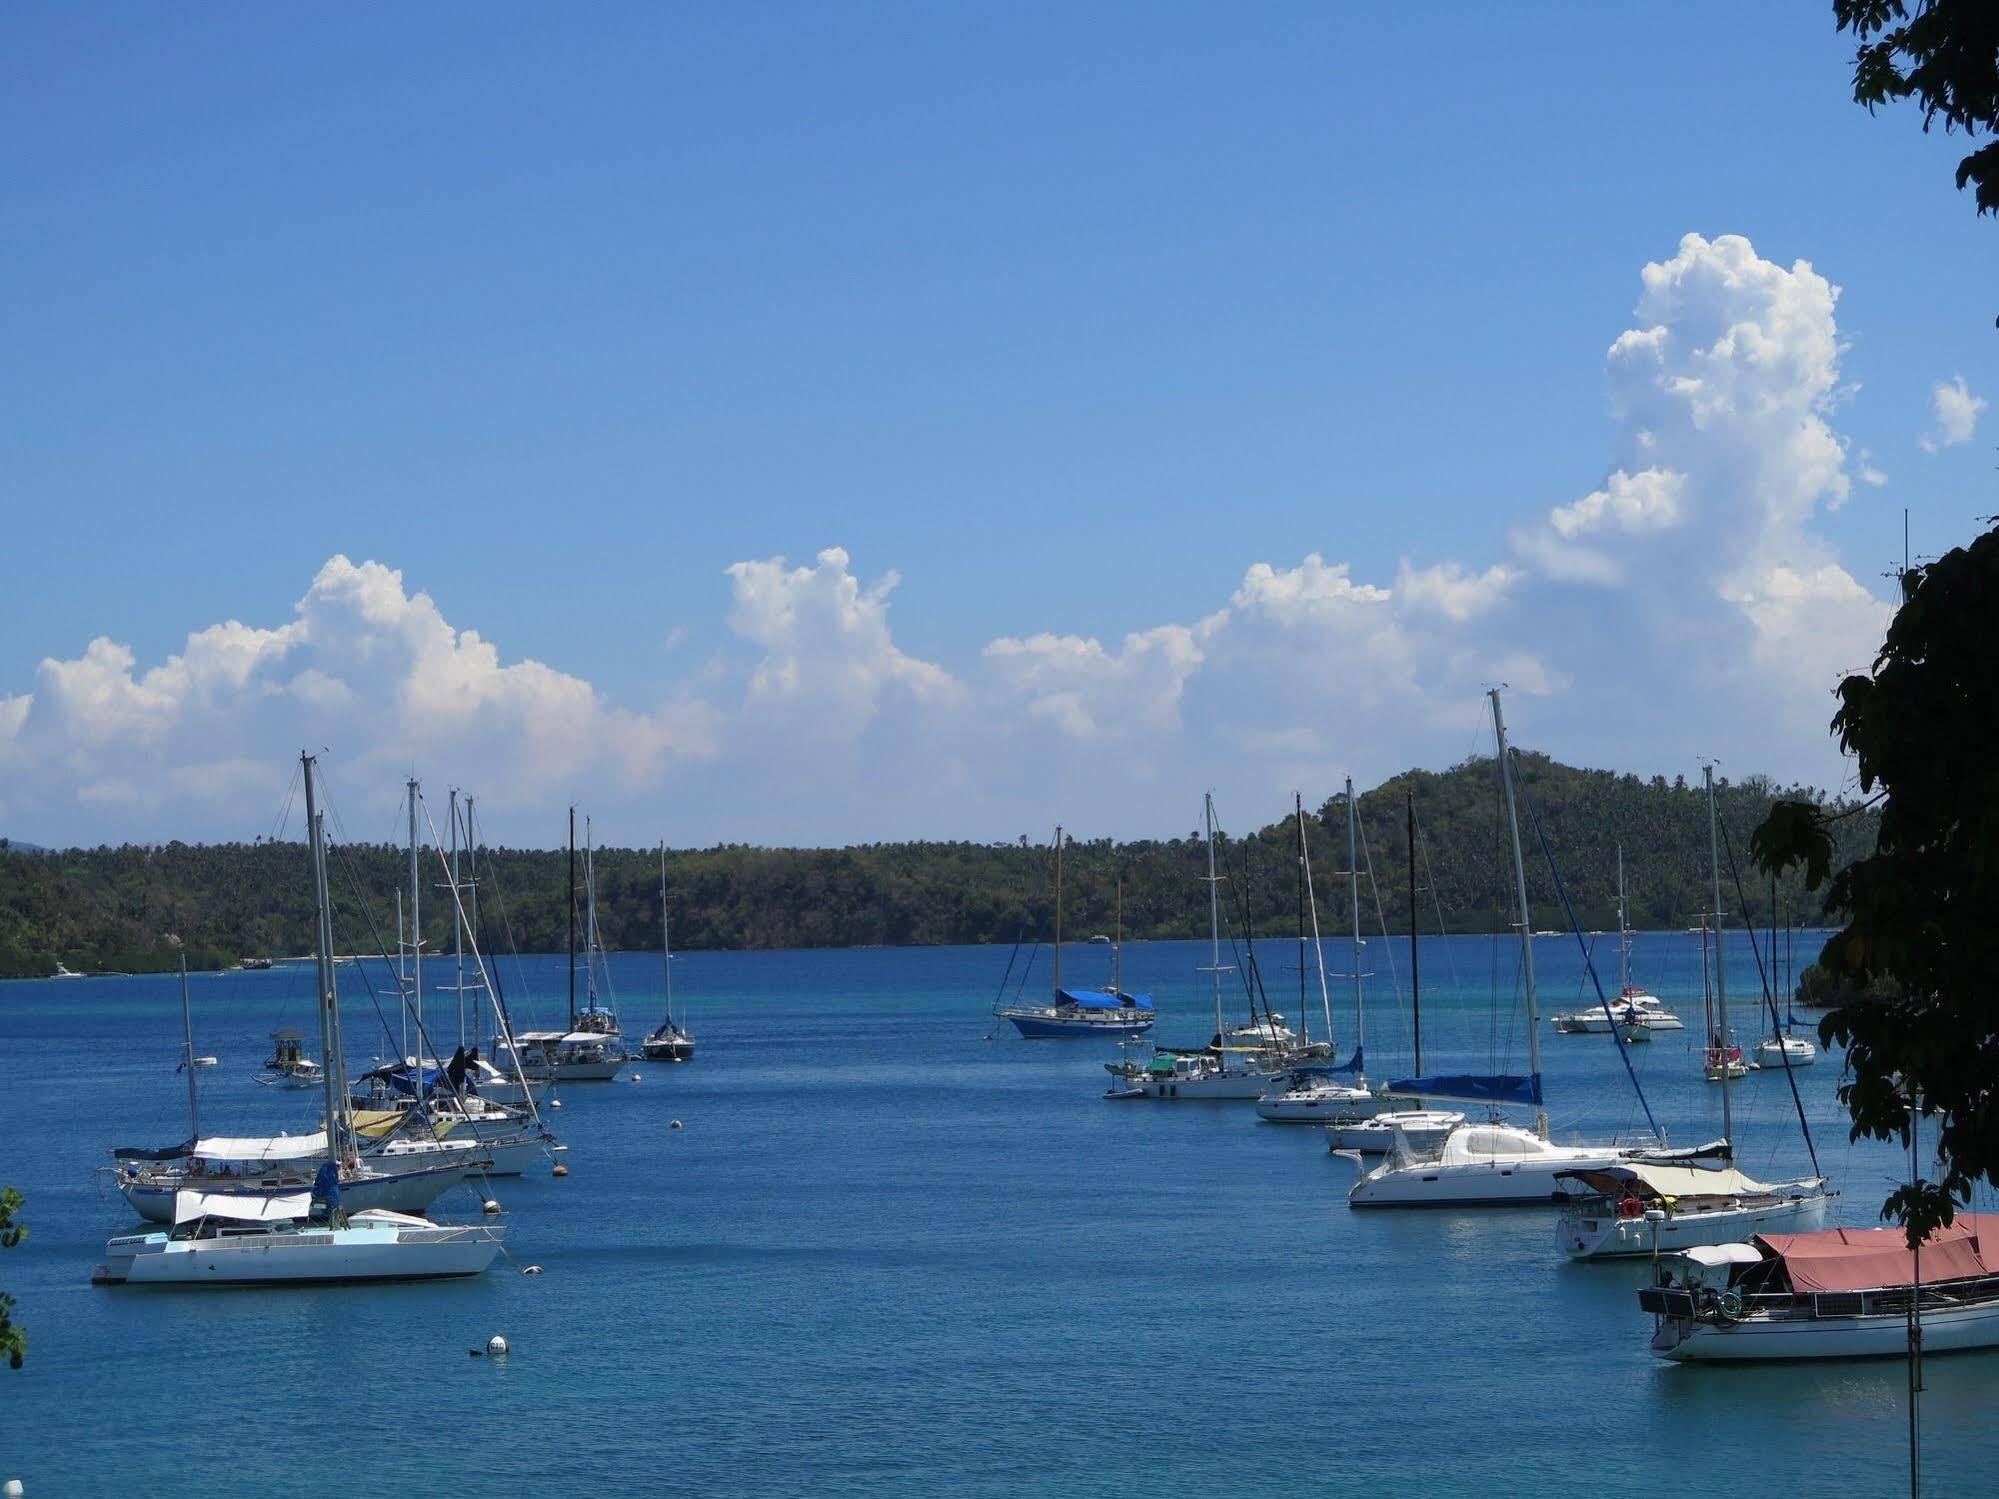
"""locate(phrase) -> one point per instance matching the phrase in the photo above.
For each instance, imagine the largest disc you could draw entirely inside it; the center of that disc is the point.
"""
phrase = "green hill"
(131, 908)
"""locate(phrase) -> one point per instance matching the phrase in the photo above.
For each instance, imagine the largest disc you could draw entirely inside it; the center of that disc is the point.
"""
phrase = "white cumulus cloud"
(1957, 411)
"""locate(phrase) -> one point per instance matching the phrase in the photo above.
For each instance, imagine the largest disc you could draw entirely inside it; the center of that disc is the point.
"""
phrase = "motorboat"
(288, 1066)
(1835, 1293)
(1422, 1128)
(221, 1239)
(1644, 1207)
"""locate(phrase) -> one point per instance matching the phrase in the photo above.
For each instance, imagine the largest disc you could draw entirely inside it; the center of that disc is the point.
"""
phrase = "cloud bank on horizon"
(1681, 605)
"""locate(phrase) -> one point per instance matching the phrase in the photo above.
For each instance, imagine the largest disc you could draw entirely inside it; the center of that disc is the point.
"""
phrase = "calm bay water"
(887, 1256)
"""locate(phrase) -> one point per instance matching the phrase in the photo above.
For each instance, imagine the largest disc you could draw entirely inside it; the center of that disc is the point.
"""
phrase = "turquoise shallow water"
(887, 1257)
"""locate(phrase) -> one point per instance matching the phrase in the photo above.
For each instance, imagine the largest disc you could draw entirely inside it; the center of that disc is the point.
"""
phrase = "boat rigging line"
(1769, 998)
(1589, 963)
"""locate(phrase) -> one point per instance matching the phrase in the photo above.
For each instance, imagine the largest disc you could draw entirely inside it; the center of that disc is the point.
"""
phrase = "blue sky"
(1066, 317)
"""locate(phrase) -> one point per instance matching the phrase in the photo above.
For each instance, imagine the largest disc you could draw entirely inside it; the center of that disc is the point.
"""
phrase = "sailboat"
(1083, 1012)
(229, 1238)
(668, 1041)
(1722, 1060)
(1239, 1063)
(592, 1050)
(1644, 1207)
(1420, 1128)
(1319, 1094)
(1638, 1012)
(1783, 1047)
(1487, 1163)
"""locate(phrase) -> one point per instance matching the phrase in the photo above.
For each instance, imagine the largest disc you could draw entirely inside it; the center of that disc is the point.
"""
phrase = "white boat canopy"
(261, 1148)
(189, 1205)
(1671, 1181)
(1714, 1255)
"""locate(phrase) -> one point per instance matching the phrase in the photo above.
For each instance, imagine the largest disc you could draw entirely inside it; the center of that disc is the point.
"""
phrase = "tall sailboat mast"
(1623, 932)
(1720, 971)
(665, 935)
(416, 932)
(1058, 913)
(1214, 926)
(1318, 947)
(1304, 1009)
(471, 899)
(333, 1070)
(457, 926)
(589, 915)
(1117, 948)
(1526, 925)
(187, 1056)
(572, 918)
(1415, 966)
(1353, 878)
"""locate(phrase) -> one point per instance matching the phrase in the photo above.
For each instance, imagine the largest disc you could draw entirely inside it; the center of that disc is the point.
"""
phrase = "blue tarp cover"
(1472, 1088)
(1099, 999)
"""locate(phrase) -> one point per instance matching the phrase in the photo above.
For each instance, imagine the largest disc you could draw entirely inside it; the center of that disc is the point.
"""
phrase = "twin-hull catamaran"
(1636, 1012)
(1487, 1163)
(592, 1049)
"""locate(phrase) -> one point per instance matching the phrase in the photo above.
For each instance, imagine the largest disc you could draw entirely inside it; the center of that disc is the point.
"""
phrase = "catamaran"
(1636, 1012)
(231, 1238)
(1487, 1163)
(1083, 1012)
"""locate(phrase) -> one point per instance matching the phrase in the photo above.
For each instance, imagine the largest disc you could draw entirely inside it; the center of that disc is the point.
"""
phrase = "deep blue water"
(886, 1256)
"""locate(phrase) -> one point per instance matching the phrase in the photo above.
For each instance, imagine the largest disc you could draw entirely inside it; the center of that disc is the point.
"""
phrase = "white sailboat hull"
(1479, 1184)
(1214, 1087)
(410, 1190)
(1607, 1236)
(1319, 1108)
(361, 1253)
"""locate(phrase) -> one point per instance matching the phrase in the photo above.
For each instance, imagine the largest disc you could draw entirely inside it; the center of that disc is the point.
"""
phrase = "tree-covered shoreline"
(136, 909)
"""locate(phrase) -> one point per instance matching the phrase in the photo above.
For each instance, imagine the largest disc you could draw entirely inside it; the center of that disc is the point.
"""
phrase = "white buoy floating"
(13, 1489)
(532, 1270)
(635, 1077)
(560, 1170)
(555, 1103)
(676, 1125)
(491, 1206)
(496, 1346)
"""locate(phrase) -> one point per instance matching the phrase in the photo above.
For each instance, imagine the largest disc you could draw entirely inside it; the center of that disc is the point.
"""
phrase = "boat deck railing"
(1707, 1305)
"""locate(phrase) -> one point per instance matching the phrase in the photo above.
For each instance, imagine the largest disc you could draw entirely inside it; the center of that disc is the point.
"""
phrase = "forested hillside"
(133, 908)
